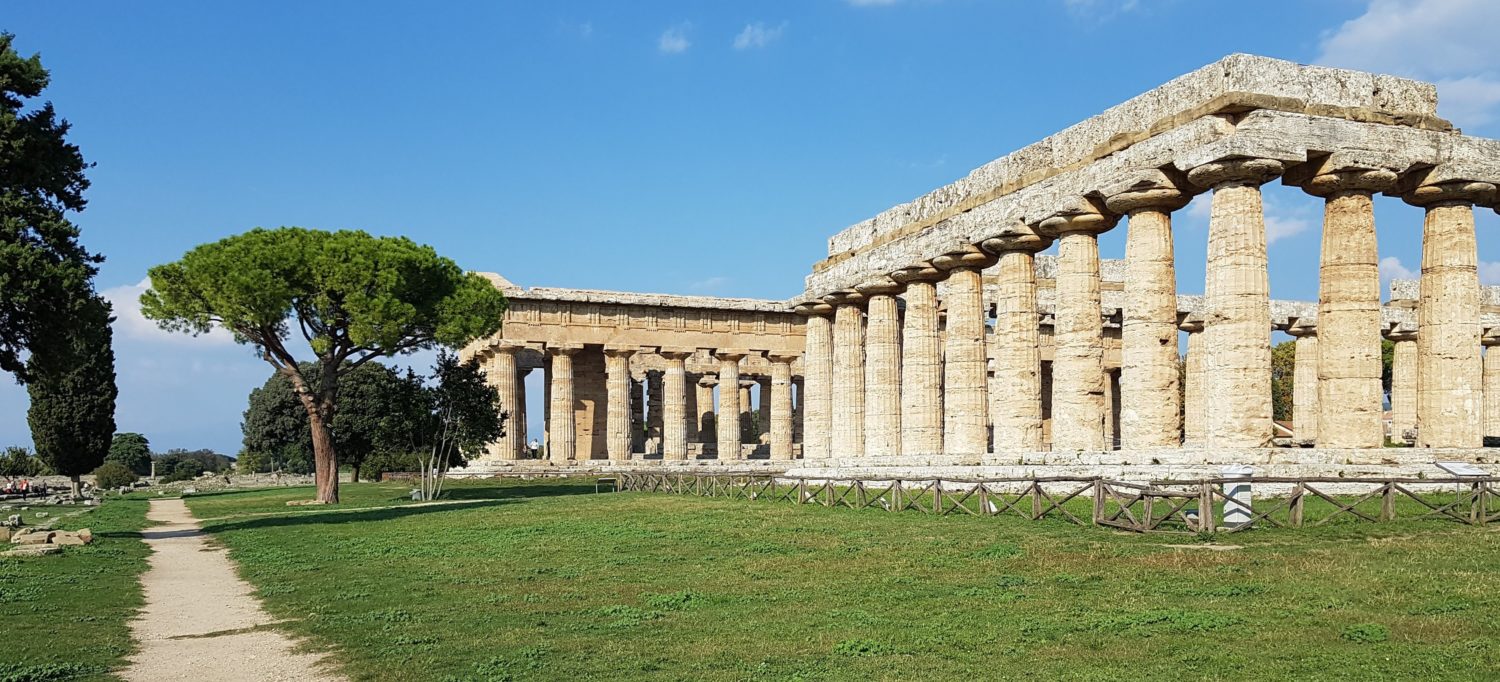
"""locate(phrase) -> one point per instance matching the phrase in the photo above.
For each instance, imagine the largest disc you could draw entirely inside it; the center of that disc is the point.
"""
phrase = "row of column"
(874, 378)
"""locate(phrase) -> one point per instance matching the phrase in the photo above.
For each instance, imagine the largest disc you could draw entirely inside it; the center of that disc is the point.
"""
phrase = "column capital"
(1235, 171)
(1330, 180)
(1302, 328)
(1401, 334)
(783, 358)
(1191, 323)
(708, 381)
(921, 272)
(621, 351)
(1016, 236)
(969, 257)
(676, 352)
(504, 346)
(1450, 192)
(813, 309)
(1153, 190)
(748, 383)
(880, 286)
(1491, 337)
(732, 354)
(1077, 214)
(564, 348)
(845, 297)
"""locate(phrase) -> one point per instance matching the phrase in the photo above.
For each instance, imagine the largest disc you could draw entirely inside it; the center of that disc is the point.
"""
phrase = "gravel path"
(201, 620)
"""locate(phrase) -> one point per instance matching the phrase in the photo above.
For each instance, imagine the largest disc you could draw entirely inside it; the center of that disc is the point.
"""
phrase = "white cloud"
(709, 284)
(1201, 207)
(1449, 42)
(1489, 272)
(1279, 227)
(130, 323)
(674, 40)
(758, 35)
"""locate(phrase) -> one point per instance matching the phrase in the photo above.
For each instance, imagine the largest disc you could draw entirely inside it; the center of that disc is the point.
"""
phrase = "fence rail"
(1162, 506)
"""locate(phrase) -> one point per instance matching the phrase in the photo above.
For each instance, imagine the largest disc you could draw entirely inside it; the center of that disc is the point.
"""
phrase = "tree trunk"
(354, 472)
(77, 487)
(325, 461)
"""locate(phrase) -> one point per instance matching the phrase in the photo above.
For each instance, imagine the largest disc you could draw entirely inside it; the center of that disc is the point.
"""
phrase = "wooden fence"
(1162, 506)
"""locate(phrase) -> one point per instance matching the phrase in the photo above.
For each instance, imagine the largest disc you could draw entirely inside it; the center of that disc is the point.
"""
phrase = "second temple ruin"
(934, 334)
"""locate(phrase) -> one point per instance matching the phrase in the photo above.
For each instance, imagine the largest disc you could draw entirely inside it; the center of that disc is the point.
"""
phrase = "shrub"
(113, 474)
(377, 463)
(185, 470)
(18, 461)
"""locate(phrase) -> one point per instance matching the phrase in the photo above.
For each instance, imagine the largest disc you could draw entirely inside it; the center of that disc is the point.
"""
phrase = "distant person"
(534, 448)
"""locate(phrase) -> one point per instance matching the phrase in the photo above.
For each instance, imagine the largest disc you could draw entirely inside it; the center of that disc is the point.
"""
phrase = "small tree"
(112, 474)
(72, 413)
(465, 415)
(350, 296)
(131, 450)
(18, 462)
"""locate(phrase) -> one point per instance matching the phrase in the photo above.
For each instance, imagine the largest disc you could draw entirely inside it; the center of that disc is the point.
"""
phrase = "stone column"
(562, 430)
(1237, 294)
(781, 405)
(706, 430)
(617, 386)
(817, 363)
(1016, 407)
(1448, 363)
(1192, 383)
(1078, 379)
(747, 421)
(797, 414)
(1492, 384)
(965, 367)
(637, 415)
(882, 368)
(921, 363)
(1350, 413)
(519, 421)
(848, 414)
(674, 404)
(1150, 412)
(729, 403)
(502, 375)
(763, 409)
(694, 415)
(653, 411)
(1403, 384)
(1306, 365)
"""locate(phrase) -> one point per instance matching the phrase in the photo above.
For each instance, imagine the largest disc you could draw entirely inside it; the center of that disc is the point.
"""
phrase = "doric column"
(1306, 365)
(817, 372)
(921, 363)
(965, 368)
(617, 414)
(797, 413)
(1016, 407)
(729, 403)
(653, 413)
(1237, 294)
(1150, 414)
(747, 410)
(848, 414)
(1350, 412)
(1448, 363)
(694, 417)
(518, 422)
(1403, 384)
(705, 388)
(882, 368)
(1192, 382)
(502, 375)
(1078, 407)
(763, 407)
(1492, 384)
(637, 415)
(561, 430)
(781, 405)
(674, 404)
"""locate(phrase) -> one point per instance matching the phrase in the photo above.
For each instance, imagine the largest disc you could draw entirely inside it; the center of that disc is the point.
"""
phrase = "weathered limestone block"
(882, 368)
(965, 368)
(848, 375)
(617, 371)
(1307, 364)
(561, 429)
(921, 362)
(818, 382)
(1150, 413)
(1016, 401)
(1078, 391)
(1492, 384)
(1350, 413)
(1448, 334)
(729, 403)
(674, 404)
(1237, 364)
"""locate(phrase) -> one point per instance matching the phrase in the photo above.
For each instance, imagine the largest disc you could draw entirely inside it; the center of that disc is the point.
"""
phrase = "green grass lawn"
(545, 580)
(65, 617)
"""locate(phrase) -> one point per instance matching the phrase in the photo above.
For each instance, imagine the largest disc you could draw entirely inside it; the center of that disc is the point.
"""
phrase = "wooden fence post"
(1388, 502)
(1205, 507)
(1294, 506)
(1098, 500)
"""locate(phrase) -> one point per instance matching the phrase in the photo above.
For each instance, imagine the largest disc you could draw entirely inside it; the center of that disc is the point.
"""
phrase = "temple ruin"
(934, 334)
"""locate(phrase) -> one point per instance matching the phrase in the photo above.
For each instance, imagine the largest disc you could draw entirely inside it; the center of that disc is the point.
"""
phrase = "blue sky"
(682, 147)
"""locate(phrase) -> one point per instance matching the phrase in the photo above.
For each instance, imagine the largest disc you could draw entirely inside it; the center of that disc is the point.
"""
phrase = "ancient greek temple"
(935, 334)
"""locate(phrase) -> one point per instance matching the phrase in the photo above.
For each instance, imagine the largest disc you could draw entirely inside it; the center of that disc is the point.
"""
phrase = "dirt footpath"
(200, 617)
